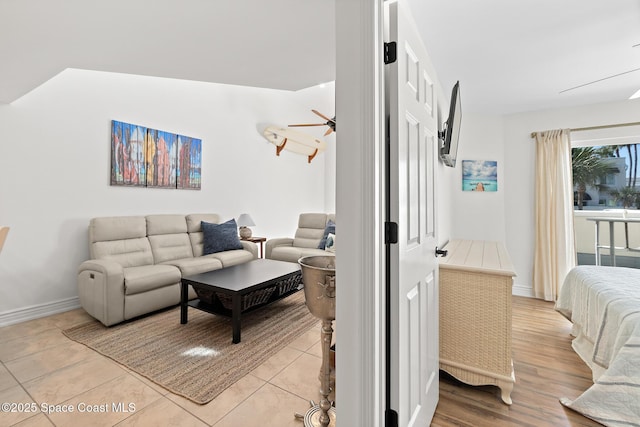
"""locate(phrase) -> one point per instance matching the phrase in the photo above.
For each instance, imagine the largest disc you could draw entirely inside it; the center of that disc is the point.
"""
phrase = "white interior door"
(413, 137)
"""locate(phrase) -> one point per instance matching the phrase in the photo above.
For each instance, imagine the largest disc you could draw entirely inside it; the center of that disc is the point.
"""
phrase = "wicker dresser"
(475, 314)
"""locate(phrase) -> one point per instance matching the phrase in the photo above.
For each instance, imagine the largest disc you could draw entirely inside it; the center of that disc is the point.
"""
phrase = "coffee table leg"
(235, 317)
(184, 298)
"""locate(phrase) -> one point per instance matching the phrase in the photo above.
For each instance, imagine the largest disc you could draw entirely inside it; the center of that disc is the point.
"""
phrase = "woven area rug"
(198, 360)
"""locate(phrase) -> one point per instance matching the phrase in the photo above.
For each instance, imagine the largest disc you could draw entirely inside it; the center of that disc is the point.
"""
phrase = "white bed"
(603, 303)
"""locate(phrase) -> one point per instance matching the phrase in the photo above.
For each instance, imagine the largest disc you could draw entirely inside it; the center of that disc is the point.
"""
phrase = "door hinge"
(391, 418)
(390, 53)
(390, 232)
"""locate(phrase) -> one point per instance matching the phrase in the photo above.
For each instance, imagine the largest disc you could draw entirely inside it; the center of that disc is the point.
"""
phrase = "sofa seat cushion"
(293, 254)
(148, 277)
(190, 266)
(229, 258)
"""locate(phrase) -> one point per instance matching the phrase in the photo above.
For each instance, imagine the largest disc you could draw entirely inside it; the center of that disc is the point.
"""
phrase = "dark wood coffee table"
(241, 288)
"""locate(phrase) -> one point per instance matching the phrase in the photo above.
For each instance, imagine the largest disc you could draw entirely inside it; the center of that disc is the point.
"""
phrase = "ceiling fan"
(329, 122)
(599, 80)
(604, 78)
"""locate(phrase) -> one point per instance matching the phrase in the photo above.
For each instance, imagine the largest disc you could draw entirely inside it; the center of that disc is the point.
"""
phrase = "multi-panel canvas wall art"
(189, 161)
(162, 160)
(127, 154)
(146, 157)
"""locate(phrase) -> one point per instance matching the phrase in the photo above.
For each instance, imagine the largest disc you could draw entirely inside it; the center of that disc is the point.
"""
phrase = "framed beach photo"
(479, 175)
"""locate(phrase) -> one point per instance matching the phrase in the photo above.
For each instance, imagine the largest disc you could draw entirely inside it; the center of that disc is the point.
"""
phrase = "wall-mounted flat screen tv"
(451, 133)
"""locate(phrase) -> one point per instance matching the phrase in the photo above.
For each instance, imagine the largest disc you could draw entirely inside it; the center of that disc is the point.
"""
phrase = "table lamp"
(244, 222)
(3, 235)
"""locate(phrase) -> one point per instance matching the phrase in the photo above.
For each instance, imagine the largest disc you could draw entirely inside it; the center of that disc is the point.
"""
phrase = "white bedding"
(603, 303)
(614, 400)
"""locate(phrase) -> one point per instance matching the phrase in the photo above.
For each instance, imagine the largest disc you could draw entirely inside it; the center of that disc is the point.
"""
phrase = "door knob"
(441, 252)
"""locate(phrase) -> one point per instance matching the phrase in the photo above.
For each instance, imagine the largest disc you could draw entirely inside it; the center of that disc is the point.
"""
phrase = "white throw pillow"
(331, 243)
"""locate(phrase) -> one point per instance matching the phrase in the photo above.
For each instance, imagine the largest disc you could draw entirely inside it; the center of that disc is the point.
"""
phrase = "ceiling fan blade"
(308, 124)
(322, 115)
(599, 80)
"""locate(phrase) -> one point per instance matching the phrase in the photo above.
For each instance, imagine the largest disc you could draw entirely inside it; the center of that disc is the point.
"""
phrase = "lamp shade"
(245, 220)
(3, 235)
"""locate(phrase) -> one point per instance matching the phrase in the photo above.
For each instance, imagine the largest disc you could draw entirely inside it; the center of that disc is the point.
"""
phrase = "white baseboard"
(522, 291)
(37, 311)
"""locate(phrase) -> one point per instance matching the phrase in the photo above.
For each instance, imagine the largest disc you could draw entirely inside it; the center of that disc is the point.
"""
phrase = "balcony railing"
(586, 239)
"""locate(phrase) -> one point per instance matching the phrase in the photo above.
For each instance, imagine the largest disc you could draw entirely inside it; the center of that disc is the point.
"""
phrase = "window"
(610, 179)
(615, 150)
(606, 176)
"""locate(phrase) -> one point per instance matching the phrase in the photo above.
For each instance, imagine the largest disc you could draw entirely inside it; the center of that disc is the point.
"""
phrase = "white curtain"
(3, 235)
(555, 252)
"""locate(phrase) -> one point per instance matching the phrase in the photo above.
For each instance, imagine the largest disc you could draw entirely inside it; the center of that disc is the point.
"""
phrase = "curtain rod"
(619, 125)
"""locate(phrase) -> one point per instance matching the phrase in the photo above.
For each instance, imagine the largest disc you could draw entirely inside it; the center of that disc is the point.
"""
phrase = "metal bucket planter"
(319, 278)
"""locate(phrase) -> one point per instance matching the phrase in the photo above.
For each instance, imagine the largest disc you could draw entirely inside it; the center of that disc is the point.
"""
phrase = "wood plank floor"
(546, 368)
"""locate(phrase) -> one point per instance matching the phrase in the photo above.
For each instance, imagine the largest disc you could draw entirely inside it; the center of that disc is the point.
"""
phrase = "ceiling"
(283, 44)
(510, 56)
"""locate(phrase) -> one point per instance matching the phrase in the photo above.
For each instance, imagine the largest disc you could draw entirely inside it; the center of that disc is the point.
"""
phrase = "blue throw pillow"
(330, 228)
(220, 237)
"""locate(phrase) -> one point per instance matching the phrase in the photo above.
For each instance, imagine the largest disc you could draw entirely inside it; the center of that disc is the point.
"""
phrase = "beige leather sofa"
(311, 228)
(137, 263)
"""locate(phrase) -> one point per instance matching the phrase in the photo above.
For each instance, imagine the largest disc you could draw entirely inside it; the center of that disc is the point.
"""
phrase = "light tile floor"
(42, 369)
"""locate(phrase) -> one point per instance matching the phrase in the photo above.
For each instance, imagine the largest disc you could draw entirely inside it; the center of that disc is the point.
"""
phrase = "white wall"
(479, 215)
(321, 98)
(55, 163)
(444, 179)
(519, 156)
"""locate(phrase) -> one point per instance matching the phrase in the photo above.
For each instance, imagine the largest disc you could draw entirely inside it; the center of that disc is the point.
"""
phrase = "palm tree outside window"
(609, 171)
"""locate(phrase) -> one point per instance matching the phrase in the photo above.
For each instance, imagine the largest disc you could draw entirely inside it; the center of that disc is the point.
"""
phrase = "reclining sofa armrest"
(251, 247)
(278, 241)
(101, 290)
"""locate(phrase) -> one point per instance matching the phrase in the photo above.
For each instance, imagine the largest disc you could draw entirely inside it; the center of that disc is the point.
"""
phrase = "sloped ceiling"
(509, 56)
(283, 44)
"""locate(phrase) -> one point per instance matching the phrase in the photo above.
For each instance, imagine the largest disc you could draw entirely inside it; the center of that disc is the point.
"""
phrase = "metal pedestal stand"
(319, 278)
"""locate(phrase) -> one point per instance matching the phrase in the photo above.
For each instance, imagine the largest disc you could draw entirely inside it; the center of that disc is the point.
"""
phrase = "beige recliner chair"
(307, 240)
